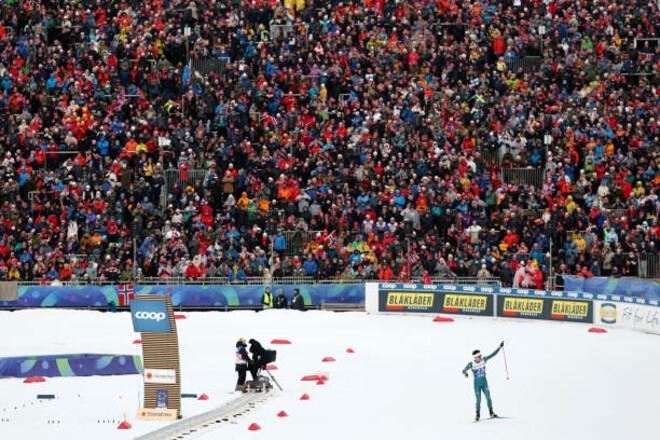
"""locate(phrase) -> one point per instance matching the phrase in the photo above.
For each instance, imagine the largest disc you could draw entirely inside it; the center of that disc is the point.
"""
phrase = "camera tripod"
(272, 377)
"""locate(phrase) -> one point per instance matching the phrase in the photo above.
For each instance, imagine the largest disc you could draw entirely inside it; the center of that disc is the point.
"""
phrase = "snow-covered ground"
(403, 380)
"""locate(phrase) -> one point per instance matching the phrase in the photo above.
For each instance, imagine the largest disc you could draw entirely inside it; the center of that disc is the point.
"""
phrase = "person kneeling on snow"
(478, 367)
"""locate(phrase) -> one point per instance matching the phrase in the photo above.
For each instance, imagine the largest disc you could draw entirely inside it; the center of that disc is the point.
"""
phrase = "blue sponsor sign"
(150, 316)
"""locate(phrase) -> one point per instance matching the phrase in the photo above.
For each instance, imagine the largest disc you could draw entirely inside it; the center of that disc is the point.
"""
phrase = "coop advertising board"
(547, 308)
(433, 299)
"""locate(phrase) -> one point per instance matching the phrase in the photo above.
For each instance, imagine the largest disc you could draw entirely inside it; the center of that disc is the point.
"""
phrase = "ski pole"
(506, 367)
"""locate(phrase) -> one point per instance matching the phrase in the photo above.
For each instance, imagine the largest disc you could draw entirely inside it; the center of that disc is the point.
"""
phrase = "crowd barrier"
(185, 296)
(549, 305)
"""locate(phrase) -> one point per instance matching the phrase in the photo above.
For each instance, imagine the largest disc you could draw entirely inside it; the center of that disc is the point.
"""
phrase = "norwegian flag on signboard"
(126, 293)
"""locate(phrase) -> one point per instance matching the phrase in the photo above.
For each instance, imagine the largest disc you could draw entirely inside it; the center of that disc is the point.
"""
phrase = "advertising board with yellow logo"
(544, 308)
(566, 310)
(435, 301)
(521, 307)
(467, 304)
(409, 301)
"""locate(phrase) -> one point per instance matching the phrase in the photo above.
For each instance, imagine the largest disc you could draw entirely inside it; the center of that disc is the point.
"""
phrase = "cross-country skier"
(478, 367)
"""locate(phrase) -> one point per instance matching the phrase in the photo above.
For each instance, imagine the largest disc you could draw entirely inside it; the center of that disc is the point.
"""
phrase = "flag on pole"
(413, 258)
(126, 293)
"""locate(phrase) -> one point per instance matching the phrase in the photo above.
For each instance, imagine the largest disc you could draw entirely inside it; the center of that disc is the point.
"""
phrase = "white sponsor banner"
(159, 376)
(629, 315)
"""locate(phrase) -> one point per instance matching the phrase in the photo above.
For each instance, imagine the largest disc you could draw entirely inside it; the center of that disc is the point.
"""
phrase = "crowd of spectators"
(339, 139)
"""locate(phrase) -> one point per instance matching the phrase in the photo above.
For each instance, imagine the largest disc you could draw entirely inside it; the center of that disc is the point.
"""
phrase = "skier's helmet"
(476, 353)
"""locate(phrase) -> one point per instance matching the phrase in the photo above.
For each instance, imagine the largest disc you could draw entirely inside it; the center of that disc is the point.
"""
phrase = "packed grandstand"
(239, 140)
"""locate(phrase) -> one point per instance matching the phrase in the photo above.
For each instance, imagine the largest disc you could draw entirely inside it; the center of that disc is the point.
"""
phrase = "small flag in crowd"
(126, 293)
(413, 257)
(331, 239)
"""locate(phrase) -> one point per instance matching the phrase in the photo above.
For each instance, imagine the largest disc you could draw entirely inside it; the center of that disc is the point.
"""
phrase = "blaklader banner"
(434, 299)
(553, 309)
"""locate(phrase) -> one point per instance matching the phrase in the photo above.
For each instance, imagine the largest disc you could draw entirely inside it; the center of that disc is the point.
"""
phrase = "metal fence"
(203, 66)
(183, 178)
(297, 242)
(259, 281)
(523, 176)
(527, 64)
(42, 195)
(277, 30)
(649, 266)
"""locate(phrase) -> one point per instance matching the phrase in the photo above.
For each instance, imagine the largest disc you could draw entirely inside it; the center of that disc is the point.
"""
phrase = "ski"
(491, 418)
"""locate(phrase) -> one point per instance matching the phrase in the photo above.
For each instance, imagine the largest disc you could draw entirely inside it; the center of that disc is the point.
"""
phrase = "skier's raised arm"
(493, 354)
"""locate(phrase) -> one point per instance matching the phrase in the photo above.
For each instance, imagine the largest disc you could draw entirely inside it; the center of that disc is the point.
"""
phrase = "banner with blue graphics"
(83, 364)
(614, 286)
(191, 296)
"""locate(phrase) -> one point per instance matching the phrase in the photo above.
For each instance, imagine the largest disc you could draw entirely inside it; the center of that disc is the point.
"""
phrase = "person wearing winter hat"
(478, 367)
(242, 362)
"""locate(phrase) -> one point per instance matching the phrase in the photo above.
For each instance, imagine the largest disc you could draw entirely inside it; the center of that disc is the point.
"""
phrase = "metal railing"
(205, 65)
(283, 29)
(527, 64)
(42, 194)
(305, 238)
(523, 176)
(648, 266)
(259, 281)
(183, 178)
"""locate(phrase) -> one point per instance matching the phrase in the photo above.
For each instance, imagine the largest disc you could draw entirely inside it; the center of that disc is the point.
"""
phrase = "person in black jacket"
(258, 358)
(243, 362)
(281, 302)
(297, 302)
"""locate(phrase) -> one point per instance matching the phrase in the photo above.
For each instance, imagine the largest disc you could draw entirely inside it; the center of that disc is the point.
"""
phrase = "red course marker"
(328, 359)
(280, 341)
(124, 425)
(320, 382)
(180, 317)
(597, 330)
(271, 367)
(349, 350)
(34, 379)
(254, 427)
(442, 319)
(203, 397)
(311, 378)
(137, 341)
(282, 414)
(304, 397)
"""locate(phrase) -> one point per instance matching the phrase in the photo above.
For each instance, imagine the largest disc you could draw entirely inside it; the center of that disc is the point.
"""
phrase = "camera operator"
(243, 363)
(258, 357)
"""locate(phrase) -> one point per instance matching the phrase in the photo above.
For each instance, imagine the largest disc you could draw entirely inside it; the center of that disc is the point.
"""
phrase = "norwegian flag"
(331, 239)
(413, 257)
(126, 293)
(291, 220)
